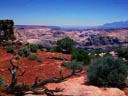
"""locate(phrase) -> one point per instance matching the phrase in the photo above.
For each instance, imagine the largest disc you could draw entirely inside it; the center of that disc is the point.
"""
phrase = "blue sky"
(64, 12)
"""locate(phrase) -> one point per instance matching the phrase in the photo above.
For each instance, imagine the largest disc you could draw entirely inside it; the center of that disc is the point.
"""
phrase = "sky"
(64, 12)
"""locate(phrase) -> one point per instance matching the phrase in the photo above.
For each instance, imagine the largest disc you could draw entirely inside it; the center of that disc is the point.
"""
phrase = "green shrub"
(39, 60)
(53, 49)
(65, 45)
(33, 47)
(107, 71)
(81, 55)
(34, 57)
(10, 49)
(24, 52)
(2, 81)
(123, 53)
(73, 65)
(40, 46)
(61, 57)
(48, 48)
(7, 43)
(65, 64)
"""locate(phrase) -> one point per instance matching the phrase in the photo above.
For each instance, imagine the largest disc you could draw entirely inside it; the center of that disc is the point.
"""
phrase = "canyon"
(91, 39)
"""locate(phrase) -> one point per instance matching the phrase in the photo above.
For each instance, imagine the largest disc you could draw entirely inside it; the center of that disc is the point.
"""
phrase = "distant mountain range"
(120, 24)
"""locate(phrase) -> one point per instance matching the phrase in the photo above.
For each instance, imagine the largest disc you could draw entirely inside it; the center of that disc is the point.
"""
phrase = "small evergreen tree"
(81, 55)
(107, 71)
(65, 45)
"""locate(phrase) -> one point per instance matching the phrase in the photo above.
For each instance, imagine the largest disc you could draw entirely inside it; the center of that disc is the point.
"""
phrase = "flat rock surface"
(75, 87)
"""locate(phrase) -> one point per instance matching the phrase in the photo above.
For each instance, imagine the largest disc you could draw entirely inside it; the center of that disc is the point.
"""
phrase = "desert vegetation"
(65, 45)
(107, 71)
(81, 55)
(74, 65)
(123, 53)
(30, 51)
(46, 65)
(34, 57)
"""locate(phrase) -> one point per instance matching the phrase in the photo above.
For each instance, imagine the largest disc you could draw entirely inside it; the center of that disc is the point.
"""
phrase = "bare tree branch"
(11, 62)
(14, 87)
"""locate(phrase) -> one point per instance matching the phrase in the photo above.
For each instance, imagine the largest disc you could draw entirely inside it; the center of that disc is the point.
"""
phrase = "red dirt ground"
(46, 69)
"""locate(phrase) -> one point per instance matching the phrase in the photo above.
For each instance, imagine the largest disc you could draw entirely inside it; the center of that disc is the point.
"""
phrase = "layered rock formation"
(6, 30)
(90, 39)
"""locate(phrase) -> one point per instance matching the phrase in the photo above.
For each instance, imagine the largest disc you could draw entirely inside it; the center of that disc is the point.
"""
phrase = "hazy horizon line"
(72, 25)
